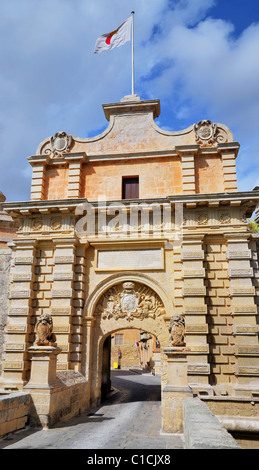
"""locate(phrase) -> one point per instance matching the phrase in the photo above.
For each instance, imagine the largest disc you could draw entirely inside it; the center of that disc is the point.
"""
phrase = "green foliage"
(253, 226)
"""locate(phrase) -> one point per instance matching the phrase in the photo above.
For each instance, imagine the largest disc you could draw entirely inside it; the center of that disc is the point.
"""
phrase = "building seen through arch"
(131, 348)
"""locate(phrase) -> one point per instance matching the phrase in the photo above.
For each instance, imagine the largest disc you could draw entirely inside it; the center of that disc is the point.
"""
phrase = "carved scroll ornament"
(129, 300)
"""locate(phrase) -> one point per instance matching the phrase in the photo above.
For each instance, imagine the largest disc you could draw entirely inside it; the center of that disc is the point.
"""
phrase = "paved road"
(129, 419)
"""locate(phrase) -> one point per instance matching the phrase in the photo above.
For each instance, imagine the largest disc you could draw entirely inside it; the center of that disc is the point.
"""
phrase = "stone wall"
(5, 263)
(220, 321)
(62, 403)
(43, 408)
(8, 231)
(14, 412)
(228, 319)
(236, 414)
(255, 263)
(202, 430)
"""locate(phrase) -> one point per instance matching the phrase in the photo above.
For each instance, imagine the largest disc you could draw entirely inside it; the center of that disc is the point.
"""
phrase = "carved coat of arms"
(205, 132)
(129, 300)
(60, 143)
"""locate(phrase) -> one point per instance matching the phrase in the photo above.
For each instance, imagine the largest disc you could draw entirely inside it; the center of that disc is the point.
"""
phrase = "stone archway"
(125, 300)
(141, 350)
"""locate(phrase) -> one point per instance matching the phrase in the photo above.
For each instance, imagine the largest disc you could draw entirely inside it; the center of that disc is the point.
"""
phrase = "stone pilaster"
(62, 297)
(195, 310)
(228, 155)
(20, 326)
(38, 164)
(244, 312)
(78, 305)
(74, 177)
(88, 324)
(178, 279)
(187, 154)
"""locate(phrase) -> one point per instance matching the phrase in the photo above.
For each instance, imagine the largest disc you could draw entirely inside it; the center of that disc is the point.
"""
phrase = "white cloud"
(52, 81)
(212, 72)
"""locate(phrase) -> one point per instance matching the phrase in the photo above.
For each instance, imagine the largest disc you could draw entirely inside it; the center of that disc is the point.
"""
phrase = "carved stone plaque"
(15, 347)
(242, 291)
(238, 254)
(13, 365)
(19, 311)
(20, 294)
(241, 310)
(197, 254)
(16, 329)
(248, 350)
(23, 260)
(242, 370)
(130, 259)
(198, 369)
(247, 272)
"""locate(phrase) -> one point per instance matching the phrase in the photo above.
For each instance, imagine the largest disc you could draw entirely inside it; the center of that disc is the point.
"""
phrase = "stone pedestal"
(43, 385)
(43, 367)
(175, 390)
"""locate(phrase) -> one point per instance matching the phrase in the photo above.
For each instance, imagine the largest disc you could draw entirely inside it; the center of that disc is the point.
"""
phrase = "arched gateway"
(127, 230)
(125, 300)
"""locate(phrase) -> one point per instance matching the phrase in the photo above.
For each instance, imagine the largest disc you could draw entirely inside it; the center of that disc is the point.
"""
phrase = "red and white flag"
(116, 38)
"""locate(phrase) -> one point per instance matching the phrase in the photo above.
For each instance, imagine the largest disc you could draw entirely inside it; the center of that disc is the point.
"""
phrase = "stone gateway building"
(139, 228)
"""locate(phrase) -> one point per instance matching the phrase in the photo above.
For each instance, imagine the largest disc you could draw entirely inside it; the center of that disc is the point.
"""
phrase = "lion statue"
(177, 330)
(44, 331)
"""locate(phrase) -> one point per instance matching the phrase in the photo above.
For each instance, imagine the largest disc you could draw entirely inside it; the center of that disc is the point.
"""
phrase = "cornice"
(178, 151)
(214, 198)
(250, 198)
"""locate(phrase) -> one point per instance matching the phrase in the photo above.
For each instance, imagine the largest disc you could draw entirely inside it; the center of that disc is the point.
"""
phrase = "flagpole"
(132, 57)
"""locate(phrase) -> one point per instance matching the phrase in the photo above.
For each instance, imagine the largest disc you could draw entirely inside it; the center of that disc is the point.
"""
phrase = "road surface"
(129, 419)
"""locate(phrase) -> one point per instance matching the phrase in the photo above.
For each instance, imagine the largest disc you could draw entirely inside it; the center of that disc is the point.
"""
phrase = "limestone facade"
(8, 229)
(98, 263)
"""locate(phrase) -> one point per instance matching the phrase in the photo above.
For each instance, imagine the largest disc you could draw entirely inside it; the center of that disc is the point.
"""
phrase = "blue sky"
(199, 57)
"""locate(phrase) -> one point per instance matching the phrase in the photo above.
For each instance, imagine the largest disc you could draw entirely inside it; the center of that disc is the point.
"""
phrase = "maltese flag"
(116, 38)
